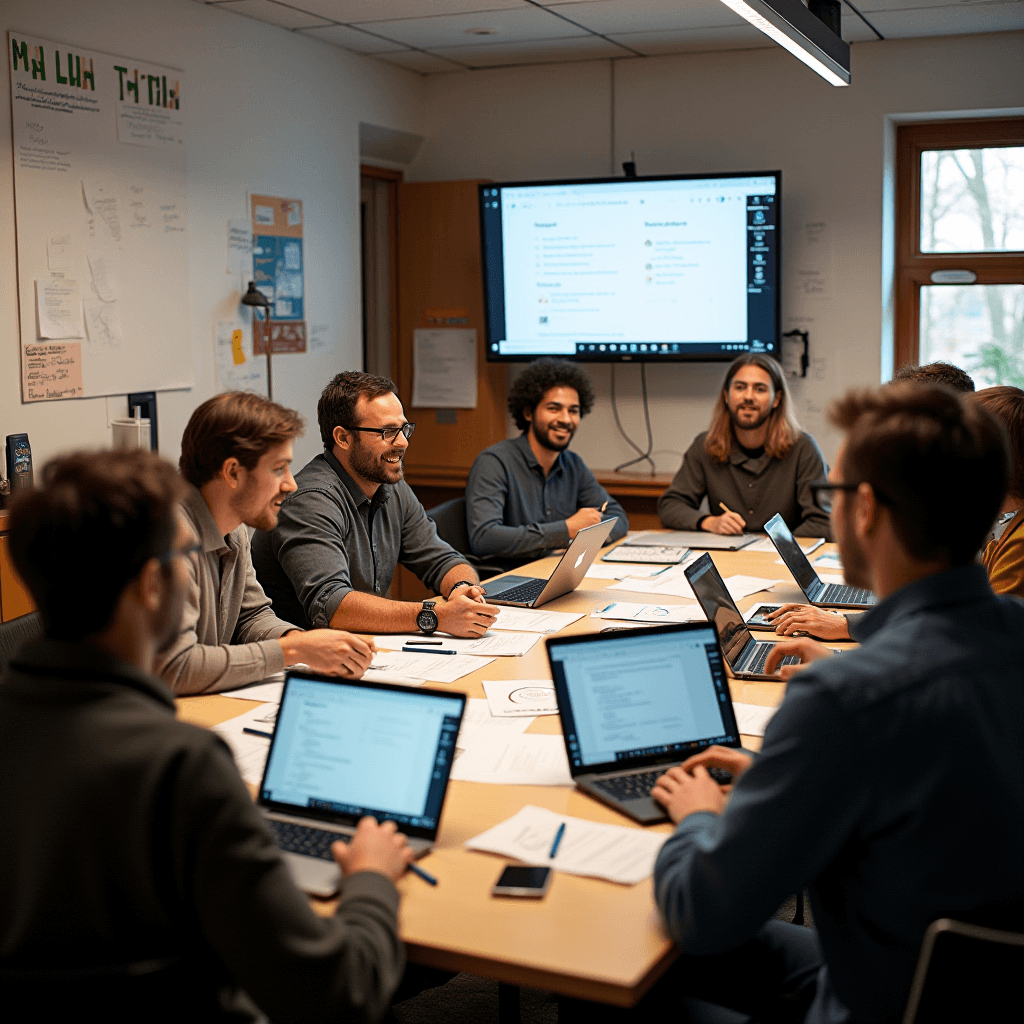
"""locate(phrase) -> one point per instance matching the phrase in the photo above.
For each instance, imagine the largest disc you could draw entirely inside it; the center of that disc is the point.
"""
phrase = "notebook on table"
(633, 703)
(343, 749)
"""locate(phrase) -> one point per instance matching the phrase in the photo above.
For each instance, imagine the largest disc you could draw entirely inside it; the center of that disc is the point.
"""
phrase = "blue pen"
(416, 650)
(258, 732)
(425, 875)
(558, 839)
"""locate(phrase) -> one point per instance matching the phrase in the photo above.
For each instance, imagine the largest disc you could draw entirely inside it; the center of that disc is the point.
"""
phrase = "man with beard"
(529, 495)
(353, 519)
(136, 875)
(753, 462)
(235, 454)
(891, 780)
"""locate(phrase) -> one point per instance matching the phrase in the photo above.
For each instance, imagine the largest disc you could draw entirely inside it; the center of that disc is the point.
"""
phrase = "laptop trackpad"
(313, 875)
(498, 587)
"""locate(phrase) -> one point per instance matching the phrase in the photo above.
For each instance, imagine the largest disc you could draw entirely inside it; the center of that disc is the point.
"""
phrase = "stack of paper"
(533, 621)
(493, 644)
(619, 854)
(650, 612)
(438, 668)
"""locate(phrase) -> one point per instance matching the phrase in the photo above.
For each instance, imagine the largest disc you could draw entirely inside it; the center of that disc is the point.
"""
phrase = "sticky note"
(236, 347)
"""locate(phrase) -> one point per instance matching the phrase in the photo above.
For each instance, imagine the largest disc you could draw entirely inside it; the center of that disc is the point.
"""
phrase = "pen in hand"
(604, 506)
(558, 840)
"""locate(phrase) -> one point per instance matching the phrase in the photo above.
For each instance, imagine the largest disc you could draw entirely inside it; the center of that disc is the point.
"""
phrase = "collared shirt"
(332, 539)
(890, 784)
(755, 488)
(514, 513)
(228, 630)
(129, 836)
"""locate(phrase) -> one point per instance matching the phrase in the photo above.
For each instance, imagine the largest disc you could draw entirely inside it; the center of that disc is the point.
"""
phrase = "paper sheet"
(250, 752)
(517, 698)
(59, 307)
(53, 370)
(670, 583)
(501, 645)
(269, 690)
(515, 760)
(102, 325)
(651, 612)
(104, 274)
(752, 718)
(829, 560)
(534, 621)
(743, 586)
(101, 199)
(618, 854)
(233, 339)
(620, 570)
(59, 251)
(480, 728)
(444, 369)
(239, 261)
(438, 668)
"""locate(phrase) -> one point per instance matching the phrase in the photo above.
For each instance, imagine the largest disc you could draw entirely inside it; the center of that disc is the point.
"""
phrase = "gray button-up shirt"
(332, 539)
(514, 513)
(228, 630)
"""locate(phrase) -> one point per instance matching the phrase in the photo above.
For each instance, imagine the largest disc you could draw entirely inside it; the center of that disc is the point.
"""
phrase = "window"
(960, 247)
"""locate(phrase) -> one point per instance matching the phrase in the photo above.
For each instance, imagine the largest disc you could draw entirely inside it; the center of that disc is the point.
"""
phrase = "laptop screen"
(345, 749)
(719, 607)
(791, 552)
(641, 696)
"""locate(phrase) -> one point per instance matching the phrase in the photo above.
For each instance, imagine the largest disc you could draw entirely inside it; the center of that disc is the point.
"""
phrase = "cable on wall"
(642, 456)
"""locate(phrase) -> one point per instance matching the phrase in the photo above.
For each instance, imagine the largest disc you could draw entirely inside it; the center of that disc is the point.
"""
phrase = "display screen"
(634, 269)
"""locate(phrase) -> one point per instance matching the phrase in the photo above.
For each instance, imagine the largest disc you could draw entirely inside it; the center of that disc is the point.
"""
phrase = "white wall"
(743, 110)
(269, 112)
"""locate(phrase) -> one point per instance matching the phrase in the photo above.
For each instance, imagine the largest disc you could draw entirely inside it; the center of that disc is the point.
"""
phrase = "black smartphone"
(520, 881)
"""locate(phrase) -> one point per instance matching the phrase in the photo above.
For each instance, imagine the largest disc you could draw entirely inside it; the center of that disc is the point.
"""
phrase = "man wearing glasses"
(353, 519)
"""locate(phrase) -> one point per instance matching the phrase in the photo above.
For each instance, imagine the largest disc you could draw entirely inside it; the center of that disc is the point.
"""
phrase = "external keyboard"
(524, 593)
(761, 652)
(841, 593)
(311, 842)
(639, 784)
(669, 556)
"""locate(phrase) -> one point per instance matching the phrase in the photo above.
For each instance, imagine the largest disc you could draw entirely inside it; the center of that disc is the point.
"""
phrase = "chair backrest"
(16, 632)
(965, 972)
(450, 519)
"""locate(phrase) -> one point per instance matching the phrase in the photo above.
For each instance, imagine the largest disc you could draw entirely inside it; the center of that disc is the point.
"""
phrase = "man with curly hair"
(529, 495)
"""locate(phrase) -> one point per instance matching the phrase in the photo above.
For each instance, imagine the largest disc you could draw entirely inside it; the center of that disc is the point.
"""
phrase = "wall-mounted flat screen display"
(637, 269)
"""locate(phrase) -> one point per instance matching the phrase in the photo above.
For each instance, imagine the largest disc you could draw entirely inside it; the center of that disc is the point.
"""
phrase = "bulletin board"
(102, 228)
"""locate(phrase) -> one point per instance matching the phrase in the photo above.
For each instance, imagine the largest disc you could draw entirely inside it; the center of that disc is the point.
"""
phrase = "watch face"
(427, 621)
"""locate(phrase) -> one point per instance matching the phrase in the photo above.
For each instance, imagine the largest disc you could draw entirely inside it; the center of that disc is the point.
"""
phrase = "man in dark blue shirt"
(529, 495)
(891, 780)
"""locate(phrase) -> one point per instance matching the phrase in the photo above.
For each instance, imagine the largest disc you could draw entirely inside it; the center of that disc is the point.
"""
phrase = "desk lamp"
(254, 297)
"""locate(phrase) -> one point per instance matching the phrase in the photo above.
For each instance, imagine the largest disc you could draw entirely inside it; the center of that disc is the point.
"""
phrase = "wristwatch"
(461, 583)
(427, 618)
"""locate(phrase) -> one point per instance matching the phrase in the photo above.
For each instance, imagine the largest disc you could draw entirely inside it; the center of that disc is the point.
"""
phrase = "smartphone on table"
(516, 880)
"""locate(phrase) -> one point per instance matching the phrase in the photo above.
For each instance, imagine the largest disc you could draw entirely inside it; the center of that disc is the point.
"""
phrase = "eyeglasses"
(817, 486)
(389, 434)
(192, 549)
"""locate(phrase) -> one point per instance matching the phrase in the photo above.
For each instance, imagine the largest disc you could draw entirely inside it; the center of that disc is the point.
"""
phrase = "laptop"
(634, 703)
(528, 592)
(691, 539)
(835, 595)
(745, 655)
(345, 748)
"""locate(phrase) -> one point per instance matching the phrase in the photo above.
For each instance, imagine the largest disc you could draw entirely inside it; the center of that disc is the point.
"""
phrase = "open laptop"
(528, 592)
(634, 703)
(346, 748)
(745, 655)
(700, 539)
(833, 595)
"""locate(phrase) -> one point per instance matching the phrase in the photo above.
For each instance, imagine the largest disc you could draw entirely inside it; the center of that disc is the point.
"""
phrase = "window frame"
(914, 268)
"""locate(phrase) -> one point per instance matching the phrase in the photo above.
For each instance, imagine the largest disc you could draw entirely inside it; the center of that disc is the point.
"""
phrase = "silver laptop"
(343, 749)
(746, 656)
(634, 703)
(832, 595)
(529, 592)
(700, 539)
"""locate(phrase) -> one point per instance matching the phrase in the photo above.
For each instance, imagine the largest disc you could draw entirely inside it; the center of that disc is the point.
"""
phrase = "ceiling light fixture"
(793, 26)
(480, 31)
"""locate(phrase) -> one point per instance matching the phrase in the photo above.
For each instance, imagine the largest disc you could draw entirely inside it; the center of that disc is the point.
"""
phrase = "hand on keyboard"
(683, 793)
(380, 848)
(793, 619)
(807, 651)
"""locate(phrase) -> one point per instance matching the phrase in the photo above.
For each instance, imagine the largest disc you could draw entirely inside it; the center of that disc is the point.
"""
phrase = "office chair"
(965, 972)
(450, 519)
(16, 632)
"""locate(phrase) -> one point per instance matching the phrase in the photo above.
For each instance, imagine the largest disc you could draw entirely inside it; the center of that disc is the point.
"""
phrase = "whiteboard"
(102, 226)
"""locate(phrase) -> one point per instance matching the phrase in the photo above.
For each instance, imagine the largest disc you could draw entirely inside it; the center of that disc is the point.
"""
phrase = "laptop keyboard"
(756, 664)
(841, 593)
(640, 784)
(525, 592)
(311, 842)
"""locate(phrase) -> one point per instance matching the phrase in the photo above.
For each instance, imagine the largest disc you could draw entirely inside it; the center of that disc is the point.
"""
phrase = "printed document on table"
(670, 583)
(250, 752)
(480, 728)
(743, 586)
(752, 718)
(515, 760)
(516, 698)
(501, 645)
(612, 852)
(534, 621)
(439, 668)
(620, 570)
(829, 560)
(269, 690)
(651, 612)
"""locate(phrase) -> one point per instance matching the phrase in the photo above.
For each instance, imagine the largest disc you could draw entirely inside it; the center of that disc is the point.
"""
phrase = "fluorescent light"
(810, 40)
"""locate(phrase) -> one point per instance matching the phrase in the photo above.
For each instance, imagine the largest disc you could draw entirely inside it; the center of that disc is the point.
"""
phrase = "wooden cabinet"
(14, 598)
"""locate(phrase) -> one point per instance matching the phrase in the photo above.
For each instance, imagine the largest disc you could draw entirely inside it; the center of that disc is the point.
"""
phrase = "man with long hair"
(754, 461)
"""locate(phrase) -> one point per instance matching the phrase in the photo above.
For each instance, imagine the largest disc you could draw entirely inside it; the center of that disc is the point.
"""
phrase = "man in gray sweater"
(753, 462)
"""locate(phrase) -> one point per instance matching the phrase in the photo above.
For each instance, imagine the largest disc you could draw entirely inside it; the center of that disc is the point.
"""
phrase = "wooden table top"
(587, 938)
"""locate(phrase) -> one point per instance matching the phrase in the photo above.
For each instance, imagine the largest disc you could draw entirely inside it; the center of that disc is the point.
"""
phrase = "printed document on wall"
(444, 369)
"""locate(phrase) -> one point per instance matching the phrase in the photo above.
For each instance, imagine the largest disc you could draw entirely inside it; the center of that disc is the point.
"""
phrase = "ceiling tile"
(620, 16)
(962, 19)
(736, 37)
(553, 51)
(352, 11)
(352, 39)
(903, 5)
(276, 14)
(420, 62)
(457, 29)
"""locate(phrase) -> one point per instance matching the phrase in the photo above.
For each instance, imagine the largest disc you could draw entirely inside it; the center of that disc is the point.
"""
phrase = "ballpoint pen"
(558, 840)
(258, 732)
(604, 506)
(425, 875)
(423, 643)
(416, 650)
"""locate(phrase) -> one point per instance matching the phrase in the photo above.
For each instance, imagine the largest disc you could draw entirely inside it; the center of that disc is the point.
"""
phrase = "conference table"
(588, 939)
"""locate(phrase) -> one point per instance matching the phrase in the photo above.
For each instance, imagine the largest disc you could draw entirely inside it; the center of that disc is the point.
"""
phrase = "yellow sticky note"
(236, 347)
